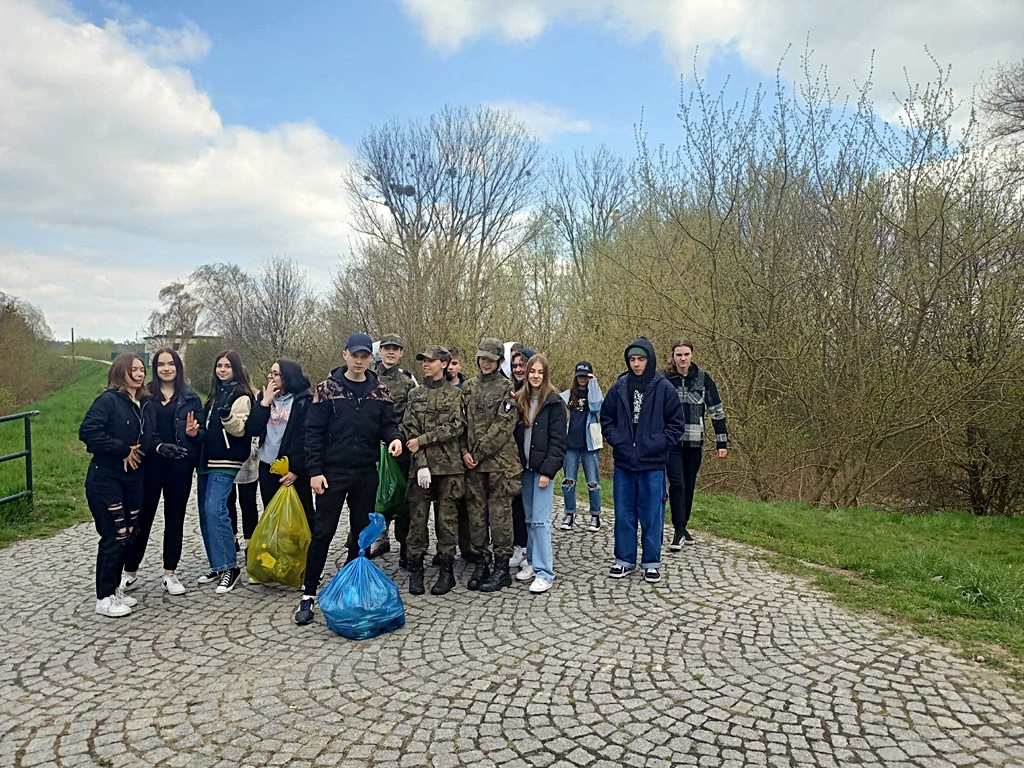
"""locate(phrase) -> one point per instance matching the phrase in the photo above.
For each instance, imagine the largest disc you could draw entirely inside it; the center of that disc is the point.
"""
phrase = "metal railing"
(26, 454)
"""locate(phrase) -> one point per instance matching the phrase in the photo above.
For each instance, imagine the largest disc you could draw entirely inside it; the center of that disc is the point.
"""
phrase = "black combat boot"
(500, 578)
(480, 574)
(416, 576)
(445, 578)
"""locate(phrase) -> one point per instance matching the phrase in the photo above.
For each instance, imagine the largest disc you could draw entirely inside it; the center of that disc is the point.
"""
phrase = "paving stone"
(726, 663)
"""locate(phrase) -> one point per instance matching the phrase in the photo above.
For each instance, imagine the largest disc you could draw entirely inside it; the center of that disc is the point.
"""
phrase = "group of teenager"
(482, 451)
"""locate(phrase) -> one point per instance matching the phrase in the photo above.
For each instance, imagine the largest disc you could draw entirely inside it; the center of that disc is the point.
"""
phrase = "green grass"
(59, 460)
(949, 575)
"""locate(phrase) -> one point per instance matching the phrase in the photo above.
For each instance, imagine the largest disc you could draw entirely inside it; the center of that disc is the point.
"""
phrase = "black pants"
(173, 479)
(519, 533)
(115, 500)
(360, 490)
(244, 495)
(270, 484)
(683, 466)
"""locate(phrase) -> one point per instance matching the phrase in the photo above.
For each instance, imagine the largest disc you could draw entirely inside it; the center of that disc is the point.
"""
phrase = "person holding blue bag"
(352, 413)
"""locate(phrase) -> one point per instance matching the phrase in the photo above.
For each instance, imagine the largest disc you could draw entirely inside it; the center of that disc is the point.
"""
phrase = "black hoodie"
(642, 446)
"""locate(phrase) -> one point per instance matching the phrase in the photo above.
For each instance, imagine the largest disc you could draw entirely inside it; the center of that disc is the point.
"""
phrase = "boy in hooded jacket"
(641, 419)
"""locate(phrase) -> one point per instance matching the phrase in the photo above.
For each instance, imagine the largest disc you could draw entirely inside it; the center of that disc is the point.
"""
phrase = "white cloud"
(972, 37)
(98, 132)
(546, 121)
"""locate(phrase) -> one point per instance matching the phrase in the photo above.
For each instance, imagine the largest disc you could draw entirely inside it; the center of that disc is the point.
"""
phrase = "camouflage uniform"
(491, 417)
(434, 416)
(400, 383)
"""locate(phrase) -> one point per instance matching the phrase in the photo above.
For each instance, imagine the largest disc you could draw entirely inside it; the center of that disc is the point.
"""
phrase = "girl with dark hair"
(278, 419)
(697, 394)
(540, 435)
(224, 449)
(117, 435)
(174, 410)
(584, 400)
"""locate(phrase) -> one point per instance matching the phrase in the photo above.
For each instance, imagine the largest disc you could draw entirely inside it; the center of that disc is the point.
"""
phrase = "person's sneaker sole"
(656, 579)
(689, 542)
(675, 547)
(621, 574)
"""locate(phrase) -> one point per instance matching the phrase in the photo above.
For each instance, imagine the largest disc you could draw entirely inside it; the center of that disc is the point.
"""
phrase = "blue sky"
(139, 140)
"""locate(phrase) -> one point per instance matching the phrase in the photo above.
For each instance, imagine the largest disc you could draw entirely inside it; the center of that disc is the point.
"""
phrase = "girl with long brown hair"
(540, 436)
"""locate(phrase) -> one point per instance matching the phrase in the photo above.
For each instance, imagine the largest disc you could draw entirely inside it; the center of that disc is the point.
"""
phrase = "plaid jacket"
(698, 393)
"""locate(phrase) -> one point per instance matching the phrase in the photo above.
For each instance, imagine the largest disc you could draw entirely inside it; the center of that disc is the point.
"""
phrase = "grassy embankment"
(59, 459)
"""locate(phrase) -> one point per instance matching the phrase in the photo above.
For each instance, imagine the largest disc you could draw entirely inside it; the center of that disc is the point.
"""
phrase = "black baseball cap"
(583, 367)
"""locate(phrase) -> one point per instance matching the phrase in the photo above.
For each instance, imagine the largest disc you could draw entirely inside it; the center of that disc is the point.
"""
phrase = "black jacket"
(343, 432)
(547, 443)
(185, 403)
(112, 425)
(293, 443)
(221, 450)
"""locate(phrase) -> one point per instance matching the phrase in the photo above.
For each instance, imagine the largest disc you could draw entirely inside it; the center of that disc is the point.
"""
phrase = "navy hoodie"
(661, 421)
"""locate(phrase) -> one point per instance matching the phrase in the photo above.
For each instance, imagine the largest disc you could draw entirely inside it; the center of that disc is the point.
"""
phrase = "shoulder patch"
(508, 405)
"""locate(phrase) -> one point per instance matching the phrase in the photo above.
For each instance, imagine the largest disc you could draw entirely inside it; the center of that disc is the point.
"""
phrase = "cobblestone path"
(725, 663)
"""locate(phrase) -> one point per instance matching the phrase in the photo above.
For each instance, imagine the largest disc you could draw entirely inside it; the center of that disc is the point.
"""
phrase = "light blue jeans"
(571, 465)
(537, 503)
(214, 520)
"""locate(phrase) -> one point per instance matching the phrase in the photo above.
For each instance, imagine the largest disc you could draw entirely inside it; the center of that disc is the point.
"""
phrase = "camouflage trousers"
(489, 503)
(445, 491)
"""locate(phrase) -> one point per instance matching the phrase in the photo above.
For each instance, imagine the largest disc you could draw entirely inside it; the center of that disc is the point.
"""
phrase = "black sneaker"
(305, 613)
(620, 571)
(209, 577)
(688, 540)
(567, 521)
(676, 544)
(652, 575)
(595, 523)
(228, 580)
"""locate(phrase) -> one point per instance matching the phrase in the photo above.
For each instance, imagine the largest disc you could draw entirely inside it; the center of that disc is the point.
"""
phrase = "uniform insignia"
(508, 406)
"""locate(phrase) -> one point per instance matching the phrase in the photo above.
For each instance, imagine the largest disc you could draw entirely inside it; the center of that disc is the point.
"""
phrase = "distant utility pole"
(72, 344)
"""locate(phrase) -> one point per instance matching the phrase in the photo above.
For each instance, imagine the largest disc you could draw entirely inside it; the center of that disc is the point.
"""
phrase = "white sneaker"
(128, 583)
(131, 602)
(525, 573)
(518, 558)
(540, 585)
(111, 606)
(172, 585)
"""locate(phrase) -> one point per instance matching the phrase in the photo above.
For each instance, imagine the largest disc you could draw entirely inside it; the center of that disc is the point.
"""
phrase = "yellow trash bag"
(277, 549)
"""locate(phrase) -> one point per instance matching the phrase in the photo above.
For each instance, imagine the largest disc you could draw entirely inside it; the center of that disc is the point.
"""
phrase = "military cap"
(492, 349)
(392, 338)
(434, 353)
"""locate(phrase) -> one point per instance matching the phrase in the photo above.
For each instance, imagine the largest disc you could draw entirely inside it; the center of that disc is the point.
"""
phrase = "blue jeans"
(571, 465)
(215, 522)
(638, 498)
(537, 503)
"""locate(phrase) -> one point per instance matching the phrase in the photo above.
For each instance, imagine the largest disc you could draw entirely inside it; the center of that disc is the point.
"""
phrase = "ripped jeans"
(589, 459)
(115, 498)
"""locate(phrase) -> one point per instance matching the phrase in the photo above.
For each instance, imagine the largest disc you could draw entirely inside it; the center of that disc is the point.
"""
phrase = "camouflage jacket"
(400, 382)
(491, 417)
(434, 416)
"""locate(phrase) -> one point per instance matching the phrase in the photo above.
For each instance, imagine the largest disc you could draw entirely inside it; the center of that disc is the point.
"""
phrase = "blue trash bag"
(361, 601)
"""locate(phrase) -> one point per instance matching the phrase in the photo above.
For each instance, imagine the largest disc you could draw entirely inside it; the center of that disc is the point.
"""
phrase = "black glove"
(224, 412)
(171, 451)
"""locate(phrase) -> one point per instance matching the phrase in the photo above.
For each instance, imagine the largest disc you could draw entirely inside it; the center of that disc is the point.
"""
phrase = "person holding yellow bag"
(278, 548)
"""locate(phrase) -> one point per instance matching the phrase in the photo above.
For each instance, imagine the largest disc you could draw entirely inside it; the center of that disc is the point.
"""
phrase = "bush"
(30, 367)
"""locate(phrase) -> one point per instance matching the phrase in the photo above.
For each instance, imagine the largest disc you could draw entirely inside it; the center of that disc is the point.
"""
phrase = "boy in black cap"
(351, 414)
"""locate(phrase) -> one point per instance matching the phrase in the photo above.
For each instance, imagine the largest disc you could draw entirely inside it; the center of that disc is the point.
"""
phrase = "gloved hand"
(423, 478)
(171, 451)
(224, 412)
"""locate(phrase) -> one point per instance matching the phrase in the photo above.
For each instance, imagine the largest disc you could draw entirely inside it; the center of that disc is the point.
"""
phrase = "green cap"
(434, 353)
(392, 338)
(492, 349)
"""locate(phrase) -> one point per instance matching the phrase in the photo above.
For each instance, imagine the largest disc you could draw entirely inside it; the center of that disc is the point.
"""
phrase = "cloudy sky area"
(140, 140)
